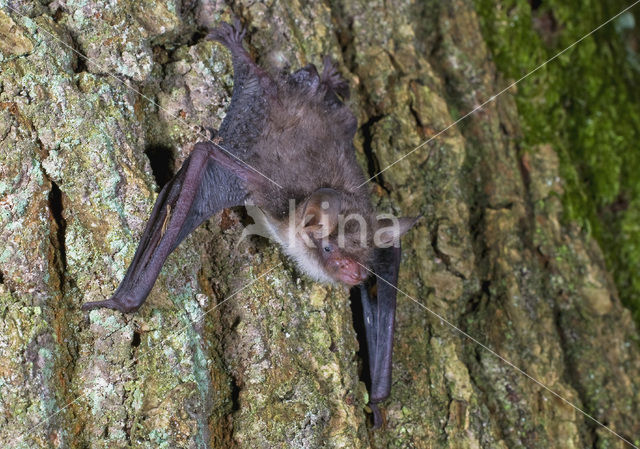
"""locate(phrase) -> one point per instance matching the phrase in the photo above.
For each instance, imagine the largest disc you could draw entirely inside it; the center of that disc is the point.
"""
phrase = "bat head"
(332, 236)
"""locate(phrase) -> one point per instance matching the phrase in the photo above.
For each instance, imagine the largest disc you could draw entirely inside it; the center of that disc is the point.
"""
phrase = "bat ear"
(321, 211)
(391, 228)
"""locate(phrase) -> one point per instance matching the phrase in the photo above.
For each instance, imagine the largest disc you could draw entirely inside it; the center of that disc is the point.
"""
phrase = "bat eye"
(328, 248)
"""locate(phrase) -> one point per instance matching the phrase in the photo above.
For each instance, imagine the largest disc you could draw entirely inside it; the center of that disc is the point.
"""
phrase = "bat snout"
(348, 271)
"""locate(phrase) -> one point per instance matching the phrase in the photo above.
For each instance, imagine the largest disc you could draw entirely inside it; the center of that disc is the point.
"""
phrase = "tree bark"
(509, 328)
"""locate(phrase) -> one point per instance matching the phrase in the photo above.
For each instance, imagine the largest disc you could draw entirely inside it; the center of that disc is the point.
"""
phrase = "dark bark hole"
(236, 323)
(620, 204)
(486, 287)
(135, 342)
(373, 165)
(81, 63)
(56, 207)
(535, 4)
(235, 397)
(1, 277)
(162, 161)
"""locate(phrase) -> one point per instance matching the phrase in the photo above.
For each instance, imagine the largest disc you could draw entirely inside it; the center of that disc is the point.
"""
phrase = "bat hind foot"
(331, 77)
(229, 35)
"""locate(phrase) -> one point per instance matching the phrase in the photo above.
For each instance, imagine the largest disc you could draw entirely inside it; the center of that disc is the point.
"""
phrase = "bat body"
(286, 146)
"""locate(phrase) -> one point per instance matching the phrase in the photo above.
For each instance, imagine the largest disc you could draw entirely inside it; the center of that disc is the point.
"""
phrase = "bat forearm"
(162, 234)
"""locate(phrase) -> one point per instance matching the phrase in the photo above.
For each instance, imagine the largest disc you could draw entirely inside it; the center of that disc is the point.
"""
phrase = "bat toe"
(229, 35)
(238, 30)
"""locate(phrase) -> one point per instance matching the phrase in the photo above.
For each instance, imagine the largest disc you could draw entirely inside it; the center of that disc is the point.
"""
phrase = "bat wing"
(209, 180)
(379, 309)
(204, 185)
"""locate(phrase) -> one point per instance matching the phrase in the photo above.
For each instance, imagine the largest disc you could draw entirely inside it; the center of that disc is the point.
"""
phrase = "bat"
(285, 146)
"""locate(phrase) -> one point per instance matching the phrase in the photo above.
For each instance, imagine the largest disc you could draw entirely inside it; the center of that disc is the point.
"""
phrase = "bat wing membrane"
(201, 188)
(378, 298)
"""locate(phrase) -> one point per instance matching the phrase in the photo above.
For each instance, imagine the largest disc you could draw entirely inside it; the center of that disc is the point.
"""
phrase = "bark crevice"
(373, 164)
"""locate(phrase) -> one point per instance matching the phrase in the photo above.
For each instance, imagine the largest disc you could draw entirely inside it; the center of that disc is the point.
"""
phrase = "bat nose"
(348, 271)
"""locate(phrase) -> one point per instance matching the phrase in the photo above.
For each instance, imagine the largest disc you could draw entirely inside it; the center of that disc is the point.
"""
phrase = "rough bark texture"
(273, 363)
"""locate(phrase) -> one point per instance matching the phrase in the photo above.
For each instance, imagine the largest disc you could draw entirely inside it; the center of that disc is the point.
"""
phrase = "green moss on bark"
(585, 104)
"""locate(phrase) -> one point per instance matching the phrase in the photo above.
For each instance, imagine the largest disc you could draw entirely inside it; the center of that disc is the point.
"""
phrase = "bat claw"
(229, 35)
(332, 78)
(238, 29)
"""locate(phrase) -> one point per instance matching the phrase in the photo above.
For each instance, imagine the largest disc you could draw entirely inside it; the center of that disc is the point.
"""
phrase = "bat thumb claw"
(110, 304)
(97, 305)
